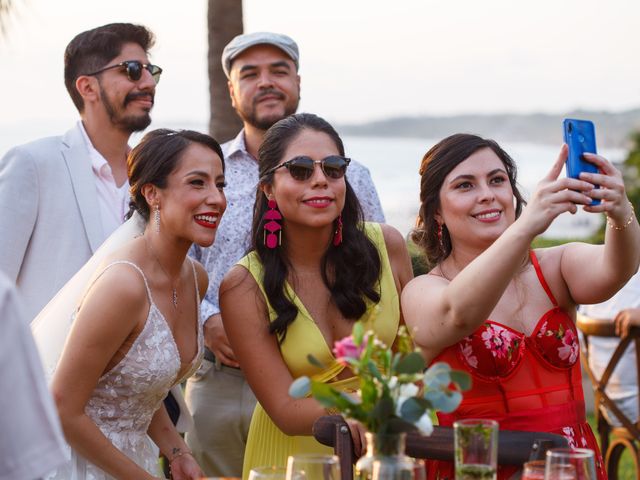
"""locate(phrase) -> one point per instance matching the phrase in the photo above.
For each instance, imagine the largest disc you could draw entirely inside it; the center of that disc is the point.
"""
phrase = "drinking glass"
(267, 473)
(313, 467)
(476, 449)
(570, 464)
(533, 470)
(400, 468)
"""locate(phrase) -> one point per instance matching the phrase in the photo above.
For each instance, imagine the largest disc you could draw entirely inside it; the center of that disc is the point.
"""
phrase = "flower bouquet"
(395, 394)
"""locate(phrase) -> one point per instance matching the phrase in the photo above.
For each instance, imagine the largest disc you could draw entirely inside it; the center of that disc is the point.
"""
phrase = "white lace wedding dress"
(128, 395)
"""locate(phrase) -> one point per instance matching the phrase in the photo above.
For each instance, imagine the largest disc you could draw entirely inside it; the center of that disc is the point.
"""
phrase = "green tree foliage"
(631, 171)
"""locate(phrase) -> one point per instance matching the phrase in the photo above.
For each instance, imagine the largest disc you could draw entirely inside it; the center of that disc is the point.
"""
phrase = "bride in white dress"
(135, 332)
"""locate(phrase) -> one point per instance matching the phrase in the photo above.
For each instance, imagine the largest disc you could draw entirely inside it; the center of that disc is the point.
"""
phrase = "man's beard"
(128, 123)
(265, 123)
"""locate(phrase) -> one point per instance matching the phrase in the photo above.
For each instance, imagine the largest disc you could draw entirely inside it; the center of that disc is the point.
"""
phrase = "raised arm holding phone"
(497, 308)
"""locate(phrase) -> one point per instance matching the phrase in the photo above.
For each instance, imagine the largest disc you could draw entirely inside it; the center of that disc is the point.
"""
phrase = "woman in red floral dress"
(498, 309)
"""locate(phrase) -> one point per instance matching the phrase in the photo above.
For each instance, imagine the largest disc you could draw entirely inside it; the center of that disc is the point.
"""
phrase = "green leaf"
(461, 379)
(437, 375)
(300, 387)
(324, 394)
(383, 409)
(413, 408)
(369, 392)
(315, 362)
(398, 425)
(374, 370)
(412, 363)
(357, 333)
(394, 363)
(387, 360)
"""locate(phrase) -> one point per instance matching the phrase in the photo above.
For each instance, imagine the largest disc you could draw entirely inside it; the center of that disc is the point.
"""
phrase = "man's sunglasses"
(134, 70)
(301, 168)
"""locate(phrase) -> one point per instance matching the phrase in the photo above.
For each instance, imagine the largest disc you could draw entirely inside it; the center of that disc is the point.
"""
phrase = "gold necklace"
(174, 297)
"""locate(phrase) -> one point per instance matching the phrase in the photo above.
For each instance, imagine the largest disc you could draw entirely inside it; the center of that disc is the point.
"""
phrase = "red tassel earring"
(271, 217)
(440, 236)
(337, 236)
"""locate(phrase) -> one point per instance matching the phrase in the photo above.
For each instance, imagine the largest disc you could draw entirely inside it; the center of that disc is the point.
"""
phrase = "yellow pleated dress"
(267, 444)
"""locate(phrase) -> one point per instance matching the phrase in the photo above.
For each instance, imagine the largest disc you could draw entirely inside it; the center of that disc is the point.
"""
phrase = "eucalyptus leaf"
(412, 363)
(383, 409)
(315, 362)
(461, 379)
(413, 408)
(438, 375)
(398, 425)
(300, 387)
(445, 401)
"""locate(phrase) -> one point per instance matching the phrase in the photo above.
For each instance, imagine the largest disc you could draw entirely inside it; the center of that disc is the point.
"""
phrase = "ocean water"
(394, 164)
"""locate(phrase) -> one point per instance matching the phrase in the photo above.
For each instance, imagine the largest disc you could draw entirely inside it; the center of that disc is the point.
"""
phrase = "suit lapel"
(78, 163)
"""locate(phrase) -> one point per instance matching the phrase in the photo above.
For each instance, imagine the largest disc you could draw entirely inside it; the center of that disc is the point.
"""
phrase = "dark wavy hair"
(436, 164)
(155, 157)
(350, 271)
(91, 50)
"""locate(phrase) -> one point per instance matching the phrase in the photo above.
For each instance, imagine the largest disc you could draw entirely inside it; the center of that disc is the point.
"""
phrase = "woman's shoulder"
(121, 278)
(424, 282)
(382, 232)
(238, 276)
(551, 259)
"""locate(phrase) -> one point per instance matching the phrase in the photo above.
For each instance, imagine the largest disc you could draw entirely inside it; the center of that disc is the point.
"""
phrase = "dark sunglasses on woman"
(134, 68)
(301, 168)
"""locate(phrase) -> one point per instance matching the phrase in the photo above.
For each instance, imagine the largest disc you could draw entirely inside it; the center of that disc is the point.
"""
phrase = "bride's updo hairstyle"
(155, 157)
(350, 270)
(436, 164)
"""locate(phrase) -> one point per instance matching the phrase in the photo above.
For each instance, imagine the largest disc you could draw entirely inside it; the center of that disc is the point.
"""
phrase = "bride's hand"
(554, 196)
(185, 467)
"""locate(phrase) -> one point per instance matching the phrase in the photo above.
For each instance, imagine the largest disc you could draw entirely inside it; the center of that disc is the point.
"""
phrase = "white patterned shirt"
(233, 238)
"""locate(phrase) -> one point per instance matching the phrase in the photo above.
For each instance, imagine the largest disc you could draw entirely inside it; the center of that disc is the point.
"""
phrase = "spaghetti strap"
(119, 262)
(543, 282)
(195, 280)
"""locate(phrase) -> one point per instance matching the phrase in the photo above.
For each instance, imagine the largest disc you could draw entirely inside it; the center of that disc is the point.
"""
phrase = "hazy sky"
(360, 59)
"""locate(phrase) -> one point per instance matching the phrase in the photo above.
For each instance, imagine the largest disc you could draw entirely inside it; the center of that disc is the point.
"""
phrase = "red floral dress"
(524, 382)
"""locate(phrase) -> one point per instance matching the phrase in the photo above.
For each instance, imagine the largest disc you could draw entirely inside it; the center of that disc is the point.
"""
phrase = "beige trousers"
(221, 402)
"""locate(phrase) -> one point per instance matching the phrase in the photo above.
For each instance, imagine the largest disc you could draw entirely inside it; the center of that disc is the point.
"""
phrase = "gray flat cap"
(242, 42)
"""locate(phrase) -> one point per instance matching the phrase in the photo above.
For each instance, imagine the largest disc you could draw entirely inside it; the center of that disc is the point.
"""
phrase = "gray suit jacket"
(49, 215)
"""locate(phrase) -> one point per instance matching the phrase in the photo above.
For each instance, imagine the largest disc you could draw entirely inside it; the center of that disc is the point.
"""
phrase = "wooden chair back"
(514, 447)
(613, 440)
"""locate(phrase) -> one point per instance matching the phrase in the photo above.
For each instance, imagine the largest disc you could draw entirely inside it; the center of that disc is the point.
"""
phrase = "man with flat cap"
(264, 86)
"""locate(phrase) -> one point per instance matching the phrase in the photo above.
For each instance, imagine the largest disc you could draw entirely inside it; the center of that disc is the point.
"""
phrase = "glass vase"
(387, 451)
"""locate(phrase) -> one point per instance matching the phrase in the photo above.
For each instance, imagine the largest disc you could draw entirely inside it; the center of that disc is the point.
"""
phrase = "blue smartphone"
(580, 136)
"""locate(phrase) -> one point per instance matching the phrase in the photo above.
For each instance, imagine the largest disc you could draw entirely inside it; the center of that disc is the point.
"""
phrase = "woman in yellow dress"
(315, 269)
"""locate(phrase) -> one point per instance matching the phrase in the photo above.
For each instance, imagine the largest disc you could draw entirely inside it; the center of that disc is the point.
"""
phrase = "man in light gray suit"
(60, 197)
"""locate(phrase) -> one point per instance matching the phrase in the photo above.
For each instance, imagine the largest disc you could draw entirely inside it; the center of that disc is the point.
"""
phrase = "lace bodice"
(127, 396)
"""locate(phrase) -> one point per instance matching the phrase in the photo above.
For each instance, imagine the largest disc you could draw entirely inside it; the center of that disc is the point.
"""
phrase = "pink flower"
(498, 340)
(467, 353)
(570, 435)
(345, 348)
(569, 348)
